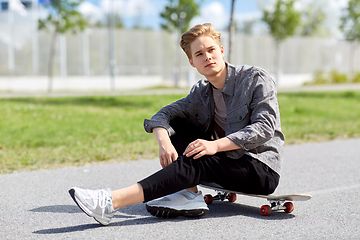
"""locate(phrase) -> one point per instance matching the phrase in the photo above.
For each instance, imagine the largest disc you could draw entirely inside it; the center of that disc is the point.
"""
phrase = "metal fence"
(147, 52)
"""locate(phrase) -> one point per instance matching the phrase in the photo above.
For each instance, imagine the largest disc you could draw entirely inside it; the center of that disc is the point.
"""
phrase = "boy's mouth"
(209, 65)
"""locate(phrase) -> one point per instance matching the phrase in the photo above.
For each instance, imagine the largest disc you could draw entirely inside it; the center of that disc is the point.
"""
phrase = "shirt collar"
(228, 88)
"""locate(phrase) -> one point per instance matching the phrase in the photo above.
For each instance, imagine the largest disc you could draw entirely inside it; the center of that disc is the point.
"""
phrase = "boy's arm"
(163, 117)
(202, 147)
(167, 152)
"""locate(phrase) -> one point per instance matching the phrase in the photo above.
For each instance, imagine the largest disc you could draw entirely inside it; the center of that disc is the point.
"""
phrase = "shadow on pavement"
(57, 209)
(68, 229)
(226, 209)
(217, 210)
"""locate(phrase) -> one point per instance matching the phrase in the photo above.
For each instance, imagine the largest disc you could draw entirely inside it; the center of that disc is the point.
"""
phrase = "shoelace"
(102, 196)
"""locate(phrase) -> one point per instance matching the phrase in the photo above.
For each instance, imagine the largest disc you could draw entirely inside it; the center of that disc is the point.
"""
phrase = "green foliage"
(319, 78)
(356, 78)
(283, 21)
(178, 15)
(313, 18)
(63, 15)
(350, 21)
(332, 77)
(337, 77)
(118, 21)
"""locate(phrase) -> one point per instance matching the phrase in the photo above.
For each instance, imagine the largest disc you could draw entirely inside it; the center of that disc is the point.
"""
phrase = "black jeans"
(245, 174)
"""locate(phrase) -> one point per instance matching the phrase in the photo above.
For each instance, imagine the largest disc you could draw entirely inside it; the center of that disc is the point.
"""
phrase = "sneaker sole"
(72, 194)
(163, 212)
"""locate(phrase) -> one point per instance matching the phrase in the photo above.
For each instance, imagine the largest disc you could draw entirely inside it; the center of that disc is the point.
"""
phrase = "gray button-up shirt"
(253, 118)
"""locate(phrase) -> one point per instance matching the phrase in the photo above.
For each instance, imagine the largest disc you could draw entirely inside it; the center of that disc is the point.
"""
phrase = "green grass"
(43, 133)
(312, 117)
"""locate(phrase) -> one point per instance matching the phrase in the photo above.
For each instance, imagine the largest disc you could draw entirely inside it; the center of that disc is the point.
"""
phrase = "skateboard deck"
(277, 203)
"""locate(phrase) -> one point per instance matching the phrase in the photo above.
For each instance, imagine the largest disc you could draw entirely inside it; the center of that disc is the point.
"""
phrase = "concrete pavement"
(36, 205)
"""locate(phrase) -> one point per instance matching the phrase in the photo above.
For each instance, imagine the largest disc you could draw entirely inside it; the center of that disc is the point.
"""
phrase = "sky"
(214, 11)
(147, 12)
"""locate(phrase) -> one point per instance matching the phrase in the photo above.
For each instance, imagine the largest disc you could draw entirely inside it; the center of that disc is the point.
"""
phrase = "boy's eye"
(199, 54)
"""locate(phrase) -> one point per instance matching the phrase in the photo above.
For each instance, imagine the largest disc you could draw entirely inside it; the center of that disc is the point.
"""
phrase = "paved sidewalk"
(36, 205)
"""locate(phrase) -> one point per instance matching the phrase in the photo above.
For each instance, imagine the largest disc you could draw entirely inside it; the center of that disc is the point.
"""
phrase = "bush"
(332, 77)
(319, 78)
(337, 77)
(356, 78)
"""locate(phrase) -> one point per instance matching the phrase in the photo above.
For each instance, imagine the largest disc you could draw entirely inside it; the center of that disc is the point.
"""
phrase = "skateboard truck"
(288, 207)
(221, 195)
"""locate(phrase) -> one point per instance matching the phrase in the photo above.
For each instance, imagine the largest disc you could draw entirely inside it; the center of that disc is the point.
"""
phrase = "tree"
(177, 16)
(350, 26)
(282, 22)
(63, 17)
(118, 21)
(313, 18)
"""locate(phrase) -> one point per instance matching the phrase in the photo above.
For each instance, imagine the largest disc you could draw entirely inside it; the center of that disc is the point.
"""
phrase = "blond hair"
(202, 29)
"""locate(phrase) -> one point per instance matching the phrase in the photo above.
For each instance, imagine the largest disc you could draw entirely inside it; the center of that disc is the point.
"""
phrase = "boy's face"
(207, 56)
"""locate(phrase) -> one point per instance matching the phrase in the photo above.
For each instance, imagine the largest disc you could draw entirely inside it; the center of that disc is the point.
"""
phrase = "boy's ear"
(222, 51)
(191, 62)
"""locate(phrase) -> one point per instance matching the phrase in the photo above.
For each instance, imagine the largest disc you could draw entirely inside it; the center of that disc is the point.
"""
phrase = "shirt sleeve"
(163, 117)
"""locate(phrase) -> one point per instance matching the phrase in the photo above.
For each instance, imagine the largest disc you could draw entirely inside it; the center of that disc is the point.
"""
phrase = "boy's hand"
(167, 154)
(201, 147)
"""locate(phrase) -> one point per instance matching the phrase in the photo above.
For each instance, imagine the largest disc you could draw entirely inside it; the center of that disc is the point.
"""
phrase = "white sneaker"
(95, 203)
(182, 203)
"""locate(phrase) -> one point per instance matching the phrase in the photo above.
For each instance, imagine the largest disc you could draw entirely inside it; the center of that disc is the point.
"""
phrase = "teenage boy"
(226, 130)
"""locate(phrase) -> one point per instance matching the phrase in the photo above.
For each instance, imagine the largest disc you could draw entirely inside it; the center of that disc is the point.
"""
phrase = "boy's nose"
(208, 57)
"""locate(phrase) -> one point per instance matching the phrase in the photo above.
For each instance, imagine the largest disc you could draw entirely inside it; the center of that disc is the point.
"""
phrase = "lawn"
(43, 133)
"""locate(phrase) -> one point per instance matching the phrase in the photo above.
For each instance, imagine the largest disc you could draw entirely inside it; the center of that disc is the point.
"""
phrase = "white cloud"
(92, 12)
(125, 8)
(129, 8)
(213, 13)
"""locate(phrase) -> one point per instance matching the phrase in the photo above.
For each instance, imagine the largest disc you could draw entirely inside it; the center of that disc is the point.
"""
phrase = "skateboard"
(277, 203)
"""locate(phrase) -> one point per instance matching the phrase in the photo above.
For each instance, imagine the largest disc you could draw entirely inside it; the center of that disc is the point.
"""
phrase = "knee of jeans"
(272, 184)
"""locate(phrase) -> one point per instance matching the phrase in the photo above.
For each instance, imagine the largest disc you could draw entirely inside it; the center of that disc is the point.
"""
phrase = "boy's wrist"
(161, 135)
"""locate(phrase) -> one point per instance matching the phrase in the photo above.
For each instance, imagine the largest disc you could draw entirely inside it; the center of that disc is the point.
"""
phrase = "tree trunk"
(231, 32)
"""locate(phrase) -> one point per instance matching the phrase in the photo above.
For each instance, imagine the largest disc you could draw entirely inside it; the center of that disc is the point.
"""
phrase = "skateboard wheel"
(265, 210)
(208, 199)
(289, 207)
(232, 197)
